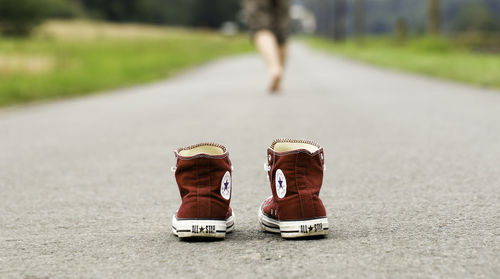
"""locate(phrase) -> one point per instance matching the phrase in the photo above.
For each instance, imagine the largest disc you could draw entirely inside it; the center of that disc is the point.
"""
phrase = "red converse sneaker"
(295, 169)
(203, 174)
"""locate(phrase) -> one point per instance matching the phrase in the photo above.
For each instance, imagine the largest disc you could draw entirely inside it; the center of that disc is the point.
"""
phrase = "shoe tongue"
(290, 146)
(202, 148)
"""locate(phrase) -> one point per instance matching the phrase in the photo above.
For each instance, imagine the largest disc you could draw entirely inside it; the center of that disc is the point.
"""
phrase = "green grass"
(437, 57)
(71, 66)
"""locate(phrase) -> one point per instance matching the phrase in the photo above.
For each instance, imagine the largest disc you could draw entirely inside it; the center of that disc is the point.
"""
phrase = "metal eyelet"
(267, 167)
(269, 157)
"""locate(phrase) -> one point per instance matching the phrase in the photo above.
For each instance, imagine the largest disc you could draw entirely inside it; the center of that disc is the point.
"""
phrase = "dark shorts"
(272, 15)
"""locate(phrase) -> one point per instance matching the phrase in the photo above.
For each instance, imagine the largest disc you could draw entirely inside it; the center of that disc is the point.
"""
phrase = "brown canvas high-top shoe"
(203, 174)
(295, 169)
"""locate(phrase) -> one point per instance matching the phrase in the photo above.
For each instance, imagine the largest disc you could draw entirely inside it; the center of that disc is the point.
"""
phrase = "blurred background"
(59, 48)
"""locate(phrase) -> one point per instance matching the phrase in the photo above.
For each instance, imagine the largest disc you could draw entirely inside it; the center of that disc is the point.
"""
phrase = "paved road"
(412, 187)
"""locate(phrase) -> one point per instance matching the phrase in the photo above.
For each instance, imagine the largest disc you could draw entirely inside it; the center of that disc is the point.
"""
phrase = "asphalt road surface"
(412, 186)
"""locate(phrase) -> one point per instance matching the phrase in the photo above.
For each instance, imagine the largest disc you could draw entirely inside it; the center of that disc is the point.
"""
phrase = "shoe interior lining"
(203, 149)
(289, 146)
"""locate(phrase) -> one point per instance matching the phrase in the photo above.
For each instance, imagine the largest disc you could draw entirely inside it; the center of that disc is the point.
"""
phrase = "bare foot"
(276, 75)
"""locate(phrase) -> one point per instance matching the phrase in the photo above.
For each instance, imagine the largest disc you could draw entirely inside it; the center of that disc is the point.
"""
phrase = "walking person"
(269, 21)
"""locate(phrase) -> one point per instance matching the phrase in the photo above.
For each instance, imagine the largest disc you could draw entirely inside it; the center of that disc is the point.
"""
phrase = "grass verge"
(67, 59)
(437, 57)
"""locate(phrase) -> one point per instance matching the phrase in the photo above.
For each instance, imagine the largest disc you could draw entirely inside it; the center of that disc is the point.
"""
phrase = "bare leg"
(268, 48)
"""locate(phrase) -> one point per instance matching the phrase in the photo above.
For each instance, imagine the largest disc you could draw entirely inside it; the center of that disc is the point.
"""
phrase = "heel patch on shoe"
(225, 186)
(280, 183)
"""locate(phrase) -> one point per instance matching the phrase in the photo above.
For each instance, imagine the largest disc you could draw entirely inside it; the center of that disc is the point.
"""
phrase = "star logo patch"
(280, 183)
(225, 186)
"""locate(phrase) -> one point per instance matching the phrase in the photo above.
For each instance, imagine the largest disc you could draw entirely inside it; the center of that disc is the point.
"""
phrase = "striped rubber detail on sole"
(202, 228)
(295, 228)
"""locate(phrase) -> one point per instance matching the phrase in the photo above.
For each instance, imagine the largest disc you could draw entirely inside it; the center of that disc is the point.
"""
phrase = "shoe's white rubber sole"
(296, 228)
(204, 228)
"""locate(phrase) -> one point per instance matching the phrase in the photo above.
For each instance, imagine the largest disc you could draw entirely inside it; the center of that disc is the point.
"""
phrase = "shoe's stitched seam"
(197, 188)
(305, 183)
(209, 188)
(311, 189)
(297, 185)
(307, 186)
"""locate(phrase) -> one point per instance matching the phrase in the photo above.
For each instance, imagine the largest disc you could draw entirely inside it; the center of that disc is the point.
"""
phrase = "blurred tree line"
(177, 12)
(333, 17)
(18, 17)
